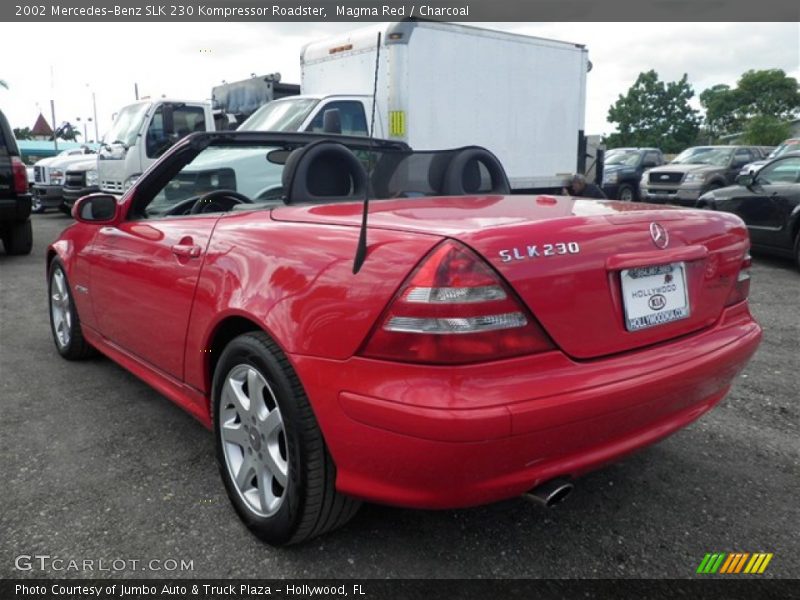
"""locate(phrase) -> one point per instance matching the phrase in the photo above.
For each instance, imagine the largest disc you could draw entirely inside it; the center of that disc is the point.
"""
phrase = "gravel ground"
(97, 465)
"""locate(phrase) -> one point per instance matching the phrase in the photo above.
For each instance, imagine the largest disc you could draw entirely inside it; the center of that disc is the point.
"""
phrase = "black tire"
(797, 250)
(309, 504)
(37, 206)
(18, 238)
(627, 193)
(74, 347)
(67, 210)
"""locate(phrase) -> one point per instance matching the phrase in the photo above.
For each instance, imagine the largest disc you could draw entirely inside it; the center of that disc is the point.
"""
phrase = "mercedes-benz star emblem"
(659, 235)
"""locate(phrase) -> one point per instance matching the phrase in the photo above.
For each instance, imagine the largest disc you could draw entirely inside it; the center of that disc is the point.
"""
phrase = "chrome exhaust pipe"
(549, 493)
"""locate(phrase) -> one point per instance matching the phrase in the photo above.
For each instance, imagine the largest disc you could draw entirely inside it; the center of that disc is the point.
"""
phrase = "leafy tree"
(766, 130)
(67, 132)
(23, 133)
(769, 96)
(720, 103)
(655, 113)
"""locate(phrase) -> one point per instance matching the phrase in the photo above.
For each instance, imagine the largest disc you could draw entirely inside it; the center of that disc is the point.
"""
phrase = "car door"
(768, 203)
(143, 275)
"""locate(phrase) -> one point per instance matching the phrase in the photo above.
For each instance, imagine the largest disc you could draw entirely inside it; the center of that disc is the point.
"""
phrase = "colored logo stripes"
(734, 562)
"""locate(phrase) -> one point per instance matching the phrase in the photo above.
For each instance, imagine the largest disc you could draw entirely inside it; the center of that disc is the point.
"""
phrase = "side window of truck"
(351, 112)
(653, 158)
(186, 119)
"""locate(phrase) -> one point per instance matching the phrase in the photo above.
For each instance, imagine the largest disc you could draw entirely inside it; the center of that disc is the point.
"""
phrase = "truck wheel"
(36, 205)
(270, 451)
(627, 193)
(797, 250)
(67, 210)
(65, 324)
(18, 238)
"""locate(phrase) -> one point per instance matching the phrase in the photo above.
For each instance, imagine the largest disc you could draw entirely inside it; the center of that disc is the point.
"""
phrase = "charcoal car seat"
(463, 173)
(323, 172)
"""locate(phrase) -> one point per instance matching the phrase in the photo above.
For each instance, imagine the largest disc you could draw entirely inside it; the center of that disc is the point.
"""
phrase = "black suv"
(623, 170)
(15, 201)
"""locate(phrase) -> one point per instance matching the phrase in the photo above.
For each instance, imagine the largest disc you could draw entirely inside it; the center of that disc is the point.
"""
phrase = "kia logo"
(659, 235)
(657, 302)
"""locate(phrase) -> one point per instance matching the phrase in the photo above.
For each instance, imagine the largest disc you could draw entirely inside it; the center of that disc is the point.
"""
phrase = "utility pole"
(53, 116)
(94, 108)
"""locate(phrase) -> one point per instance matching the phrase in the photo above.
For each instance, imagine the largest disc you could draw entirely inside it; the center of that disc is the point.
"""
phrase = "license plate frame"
(654, 295)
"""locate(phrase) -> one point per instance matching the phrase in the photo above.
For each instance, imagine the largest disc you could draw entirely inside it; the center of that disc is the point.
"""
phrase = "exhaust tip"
(549, 493)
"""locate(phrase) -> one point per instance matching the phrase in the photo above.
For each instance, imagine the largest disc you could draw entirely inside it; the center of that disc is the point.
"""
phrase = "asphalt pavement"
(98, 466)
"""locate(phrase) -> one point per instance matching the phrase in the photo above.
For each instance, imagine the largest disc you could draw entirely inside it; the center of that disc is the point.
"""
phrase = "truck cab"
(307, 113)
(141, 133)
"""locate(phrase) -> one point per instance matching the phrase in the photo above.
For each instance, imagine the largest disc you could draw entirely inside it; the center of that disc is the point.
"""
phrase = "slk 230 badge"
(539, 251)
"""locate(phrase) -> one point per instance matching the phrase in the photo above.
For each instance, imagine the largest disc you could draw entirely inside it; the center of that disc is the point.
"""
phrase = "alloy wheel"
(60, 308)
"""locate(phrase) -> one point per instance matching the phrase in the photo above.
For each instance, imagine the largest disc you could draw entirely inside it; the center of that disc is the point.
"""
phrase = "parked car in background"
(623, 170)
(769, 204)
(694, 172)
(431, 362)
(15, 200)
(790, 145)
(80, 180)
(49, 176)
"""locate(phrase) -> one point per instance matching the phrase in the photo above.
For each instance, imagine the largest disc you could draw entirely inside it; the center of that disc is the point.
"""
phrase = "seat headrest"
(323, 171)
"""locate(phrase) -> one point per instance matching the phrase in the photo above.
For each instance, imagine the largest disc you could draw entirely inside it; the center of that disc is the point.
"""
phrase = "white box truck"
(442, 85)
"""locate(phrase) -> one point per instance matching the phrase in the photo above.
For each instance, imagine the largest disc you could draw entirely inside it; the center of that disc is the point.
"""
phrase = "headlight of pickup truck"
(56, 177)
(694, 177)
(611, 177)
(130, 181)
(643, 180)
(91, 178)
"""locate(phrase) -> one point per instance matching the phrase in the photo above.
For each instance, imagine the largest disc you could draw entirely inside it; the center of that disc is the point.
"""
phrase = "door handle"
(186, 250)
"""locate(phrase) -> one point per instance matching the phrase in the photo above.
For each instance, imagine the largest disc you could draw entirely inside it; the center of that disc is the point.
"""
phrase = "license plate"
(654, 295)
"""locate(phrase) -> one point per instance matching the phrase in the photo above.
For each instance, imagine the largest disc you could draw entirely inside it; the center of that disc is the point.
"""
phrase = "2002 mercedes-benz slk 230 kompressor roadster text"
(489, 345)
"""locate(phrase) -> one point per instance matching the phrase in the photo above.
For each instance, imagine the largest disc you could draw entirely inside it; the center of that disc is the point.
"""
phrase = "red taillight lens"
(454, 309)
(20, 175)
(741, 288)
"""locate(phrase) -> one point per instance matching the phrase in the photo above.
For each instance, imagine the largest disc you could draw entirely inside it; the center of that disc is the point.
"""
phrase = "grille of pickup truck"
(666, 177)
(75, 179)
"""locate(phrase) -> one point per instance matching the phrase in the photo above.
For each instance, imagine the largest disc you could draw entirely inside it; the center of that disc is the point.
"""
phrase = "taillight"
(741, 288)
(20, 175)
(454, 309)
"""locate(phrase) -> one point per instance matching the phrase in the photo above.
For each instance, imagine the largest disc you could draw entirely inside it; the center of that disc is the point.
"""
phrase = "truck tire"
(18, 238)
(271, 455)
(627, 193)
(36, 205)
(797, 250)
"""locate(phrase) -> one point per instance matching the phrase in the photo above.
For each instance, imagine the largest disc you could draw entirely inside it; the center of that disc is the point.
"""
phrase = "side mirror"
(96, 208)
(332, 121)
(745, 180)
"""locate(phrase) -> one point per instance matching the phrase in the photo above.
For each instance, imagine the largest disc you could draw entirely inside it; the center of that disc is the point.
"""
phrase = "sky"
(68, 62)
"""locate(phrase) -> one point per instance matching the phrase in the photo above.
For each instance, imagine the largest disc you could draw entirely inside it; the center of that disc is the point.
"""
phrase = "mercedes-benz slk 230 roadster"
(481, 346)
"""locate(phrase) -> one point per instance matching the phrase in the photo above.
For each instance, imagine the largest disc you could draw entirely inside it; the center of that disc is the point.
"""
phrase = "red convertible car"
(490, 345)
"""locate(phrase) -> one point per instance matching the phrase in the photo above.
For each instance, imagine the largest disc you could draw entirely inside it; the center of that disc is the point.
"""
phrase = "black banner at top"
(393, 10)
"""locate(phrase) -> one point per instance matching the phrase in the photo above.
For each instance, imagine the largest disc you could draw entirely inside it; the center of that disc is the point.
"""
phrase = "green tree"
(766, 130)
(655, 113)
(720, 103)
(23, 133)
(769, 96)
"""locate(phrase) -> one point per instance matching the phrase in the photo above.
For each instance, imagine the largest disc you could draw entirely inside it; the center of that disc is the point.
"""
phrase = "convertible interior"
(326, 171)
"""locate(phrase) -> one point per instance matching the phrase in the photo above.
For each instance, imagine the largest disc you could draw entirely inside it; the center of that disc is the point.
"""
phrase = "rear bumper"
(15, 209)
(433, 437)
(51, 196)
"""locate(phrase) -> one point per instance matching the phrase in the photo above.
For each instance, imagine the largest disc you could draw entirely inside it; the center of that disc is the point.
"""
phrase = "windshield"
(280, 115)
(692, 156)
(627, 159)
(127, 125)
(790, 146)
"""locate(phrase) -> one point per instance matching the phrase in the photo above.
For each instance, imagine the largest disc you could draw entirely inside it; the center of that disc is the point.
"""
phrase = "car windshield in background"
(790, 146)
(244, 170)
(628, 159)
(703, 156)
(126, 126)
(280, 115)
